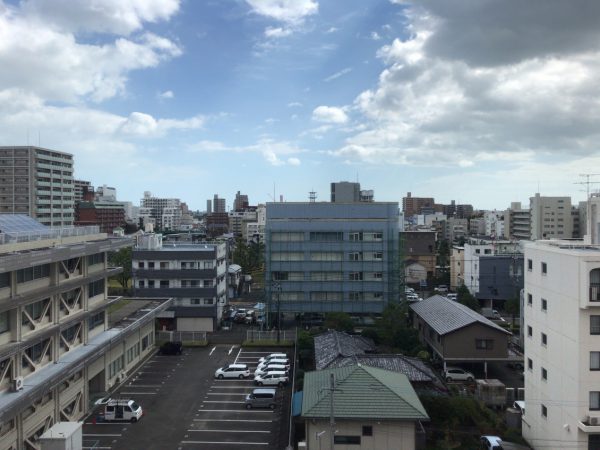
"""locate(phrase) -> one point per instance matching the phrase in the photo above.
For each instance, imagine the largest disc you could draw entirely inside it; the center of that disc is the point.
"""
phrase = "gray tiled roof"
(333, 344)
(445, 315)
(415, 369)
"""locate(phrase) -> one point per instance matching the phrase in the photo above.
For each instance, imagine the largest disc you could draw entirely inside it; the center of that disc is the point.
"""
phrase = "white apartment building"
(161, 209)
(562, 341)
(550, 217)
(517, 222)
(494, 223)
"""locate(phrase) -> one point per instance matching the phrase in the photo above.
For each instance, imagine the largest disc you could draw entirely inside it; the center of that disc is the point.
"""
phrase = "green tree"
(394, 331)
(513, 307)
(122, 258)
(464, 296)
(443, 253)
(339, 321)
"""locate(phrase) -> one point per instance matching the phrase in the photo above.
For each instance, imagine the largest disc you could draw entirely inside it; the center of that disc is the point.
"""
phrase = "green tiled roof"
(362, 392)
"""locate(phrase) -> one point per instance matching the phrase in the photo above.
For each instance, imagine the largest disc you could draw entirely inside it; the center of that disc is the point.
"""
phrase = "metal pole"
(331, 416)
(278, 313)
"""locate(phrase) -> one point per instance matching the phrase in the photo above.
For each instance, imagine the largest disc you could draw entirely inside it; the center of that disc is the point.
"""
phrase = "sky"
(478, 101)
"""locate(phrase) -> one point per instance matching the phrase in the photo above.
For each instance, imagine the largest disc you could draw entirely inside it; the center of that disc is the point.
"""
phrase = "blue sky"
(480, 103)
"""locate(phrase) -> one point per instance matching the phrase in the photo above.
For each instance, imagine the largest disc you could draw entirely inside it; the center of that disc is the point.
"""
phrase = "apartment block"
(164, 212)
(517, 222)
(79, 187)
(108, 215)
(193, 274)
(60, 347)
(413, 205)
(332, 256)
(37, 182)
(218, 205)
(550, 217)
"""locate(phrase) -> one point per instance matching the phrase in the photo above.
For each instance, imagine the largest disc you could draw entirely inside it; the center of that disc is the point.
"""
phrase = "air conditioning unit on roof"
(17, 384)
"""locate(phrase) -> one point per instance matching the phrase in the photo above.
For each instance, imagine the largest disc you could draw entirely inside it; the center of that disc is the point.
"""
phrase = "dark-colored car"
(170, 348)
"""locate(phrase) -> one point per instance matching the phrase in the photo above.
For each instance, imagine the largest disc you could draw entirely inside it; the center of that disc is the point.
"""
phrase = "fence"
(193, 337)
(257, 335)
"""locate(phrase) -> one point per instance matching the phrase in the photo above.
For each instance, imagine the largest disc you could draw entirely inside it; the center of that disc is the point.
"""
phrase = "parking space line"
(231, 349)
(96, 448)
(102, 435)
(260, 353)
(212, 351)
(229, 387)
(233, 420)
(138, 393)
(235, 379)
(229, 431)
(224, 443)
(238, 355)
(243, 411)
(131, 385)
(221, 401)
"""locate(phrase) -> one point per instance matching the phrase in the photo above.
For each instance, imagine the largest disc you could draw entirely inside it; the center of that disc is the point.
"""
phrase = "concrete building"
(106, 214)
(517, 222)
(193, 274)
(345, 192)
(457, 264)
(477, 227)
(464, 211)
(494, 223)
(239, 219)
(419, 255)
(240, 202)
(106, 193)
(367, 195)
(332, 256)
(550, 217)
(79, 186)
(218, 205)
(166, 212)
(60, 347)
(38, 182)
(413, 205)
(455, 229)
(255, 231)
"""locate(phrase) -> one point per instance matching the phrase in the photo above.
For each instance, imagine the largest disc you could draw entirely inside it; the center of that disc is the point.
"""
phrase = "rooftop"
(333, 344)
(414, 368)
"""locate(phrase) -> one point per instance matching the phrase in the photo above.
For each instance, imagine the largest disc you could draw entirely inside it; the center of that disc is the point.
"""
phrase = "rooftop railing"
(51, 233)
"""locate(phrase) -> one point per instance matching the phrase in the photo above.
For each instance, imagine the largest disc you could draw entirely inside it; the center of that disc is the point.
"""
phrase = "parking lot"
(185, 407)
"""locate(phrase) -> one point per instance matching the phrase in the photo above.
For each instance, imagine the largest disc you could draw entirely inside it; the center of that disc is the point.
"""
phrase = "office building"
(81, 186)
(193, 274)
(165, 212)
(239, 220)
(413, 205)
(240, 202)
(219, 205)
(37, 182)
(61, 348)
(108, 215)
(324, 257)
(550, 217)
(517, 222)
(562, 340)
(345, 192)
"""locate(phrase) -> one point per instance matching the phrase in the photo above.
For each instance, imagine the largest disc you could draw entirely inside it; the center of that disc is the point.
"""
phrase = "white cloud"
(71, 70)
(332, 30)
(277, 32)
(293, 161)
(106, 16)
(166, 95)
(338, 74)
(375, 35)
(288, 11)
(294, 105)
(329, 114)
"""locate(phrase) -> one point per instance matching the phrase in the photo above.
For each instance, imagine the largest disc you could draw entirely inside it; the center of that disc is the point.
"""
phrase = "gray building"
(517, 222)
(345, 192)
(500, 278)
(332, 256)
(38, 182)
(550, 217)
(193, 274)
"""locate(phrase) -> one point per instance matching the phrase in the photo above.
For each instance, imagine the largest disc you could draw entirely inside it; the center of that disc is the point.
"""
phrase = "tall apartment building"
(413, 205)
(218, 205)
(106, 214)
(517, 222)
(79, 187)
(562, 340)
(239, 219)
(60, 347)
(37, 182)
(166, 212)
(332, 256)
(550, 217)
(240, 202)
(193, 274)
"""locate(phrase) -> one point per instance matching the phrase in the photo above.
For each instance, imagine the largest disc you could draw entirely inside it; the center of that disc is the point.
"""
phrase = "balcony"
(590, 424)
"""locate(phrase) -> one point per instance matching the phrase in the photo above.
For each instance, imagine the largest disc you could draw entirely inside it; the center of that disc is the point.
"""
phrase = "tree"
(464, 296)
(122, 258)
(443, 253)
(394, 331)
(339, 321)
(513, 307)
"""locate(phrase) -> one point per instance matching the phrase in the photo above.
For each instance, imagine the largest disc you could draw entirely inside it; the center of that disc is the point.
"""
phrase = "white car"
(272, 356)
(491, 443)
(270, 368)
(282, 362)
(233, 371)
(276, 378)
(452, 296)
(458, 374)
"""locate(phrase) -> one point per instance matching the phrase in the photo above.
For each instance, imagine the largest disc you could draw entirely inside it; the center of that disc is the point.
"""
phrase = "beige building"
(457, 267)
(550, 217)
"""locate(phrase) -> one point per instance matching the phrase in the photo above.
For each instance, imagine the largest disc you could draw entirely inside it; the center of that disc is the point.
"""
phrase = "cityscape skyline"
(296, 94)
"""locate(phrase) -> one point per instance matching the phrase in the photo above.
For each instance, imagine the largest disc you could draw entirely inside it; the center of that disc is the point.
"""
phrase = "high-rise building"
(38, 182)
(324, 257)
(517, 222)
(61, 348)
(106, 193)
(194, 274)
(550, 217)
(240, 202)
(108, 215)
(208, 206)
(166, 212)
(413, 205)
(345, 191)
(219, 204)
(80, 186)
(562, 340)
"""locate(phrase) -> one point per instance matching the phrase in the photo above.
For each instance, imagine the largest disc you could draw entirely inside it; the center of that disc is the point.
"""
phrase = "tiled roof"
(415, 369)
(445, 315)
(362, 392)
(333, 344)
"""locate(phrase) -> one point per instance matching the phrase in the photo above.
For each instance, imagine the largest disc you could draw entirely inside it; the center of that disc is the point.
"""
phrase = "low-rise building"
(419, 255)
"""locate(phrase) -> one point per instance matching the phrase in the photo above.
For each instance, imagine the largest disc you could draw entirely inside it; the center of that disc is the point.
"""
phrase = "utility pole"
(277, 288)
(331, 390)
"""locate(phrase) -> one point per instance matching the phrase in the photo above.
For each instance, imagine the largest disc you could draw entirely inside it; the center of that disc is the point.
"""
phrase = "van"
(281, 362)
(270, 368)
(261, 398)
(274, 378)
(233, 371)
(122, 409)
(272, 356)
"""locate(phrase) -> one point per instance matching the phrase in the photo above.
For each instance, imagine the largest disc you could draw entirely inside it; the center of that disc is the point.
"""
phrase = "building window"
(529, 331)
(484, 344)
(529, 265)
(33, 273)
(594, 360)
(594, 324)
(544, 411)
(164, 283)
(140, 264)
(529, 299)
(141, 283)
(326, 236)
(595, 285)
(544, 268)
(355, 236)
(544, 374)
(367, 430)
(164, 264)
(594, 400)
(346, 440)
(4, 280)
(355, 276)
(97, 258)
(194, 301)
(356, 256)
(544, 304)
(4, 322)
(151, 265)
(544, 339)
(95, 288)
(96, 320)
(529, 363)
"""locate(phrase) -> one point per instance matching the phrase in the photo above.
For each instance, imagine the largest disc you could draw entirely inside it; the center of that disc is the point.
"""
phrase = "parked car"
(270, 368)
(282, 362)
(273, 356)
(233, 371)
(491, 443)
(170, 348)
(452, 296)
(261, 398)
(250, 317)
(442, 289)
(275, 378)
(458, 374)
(122, 410)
